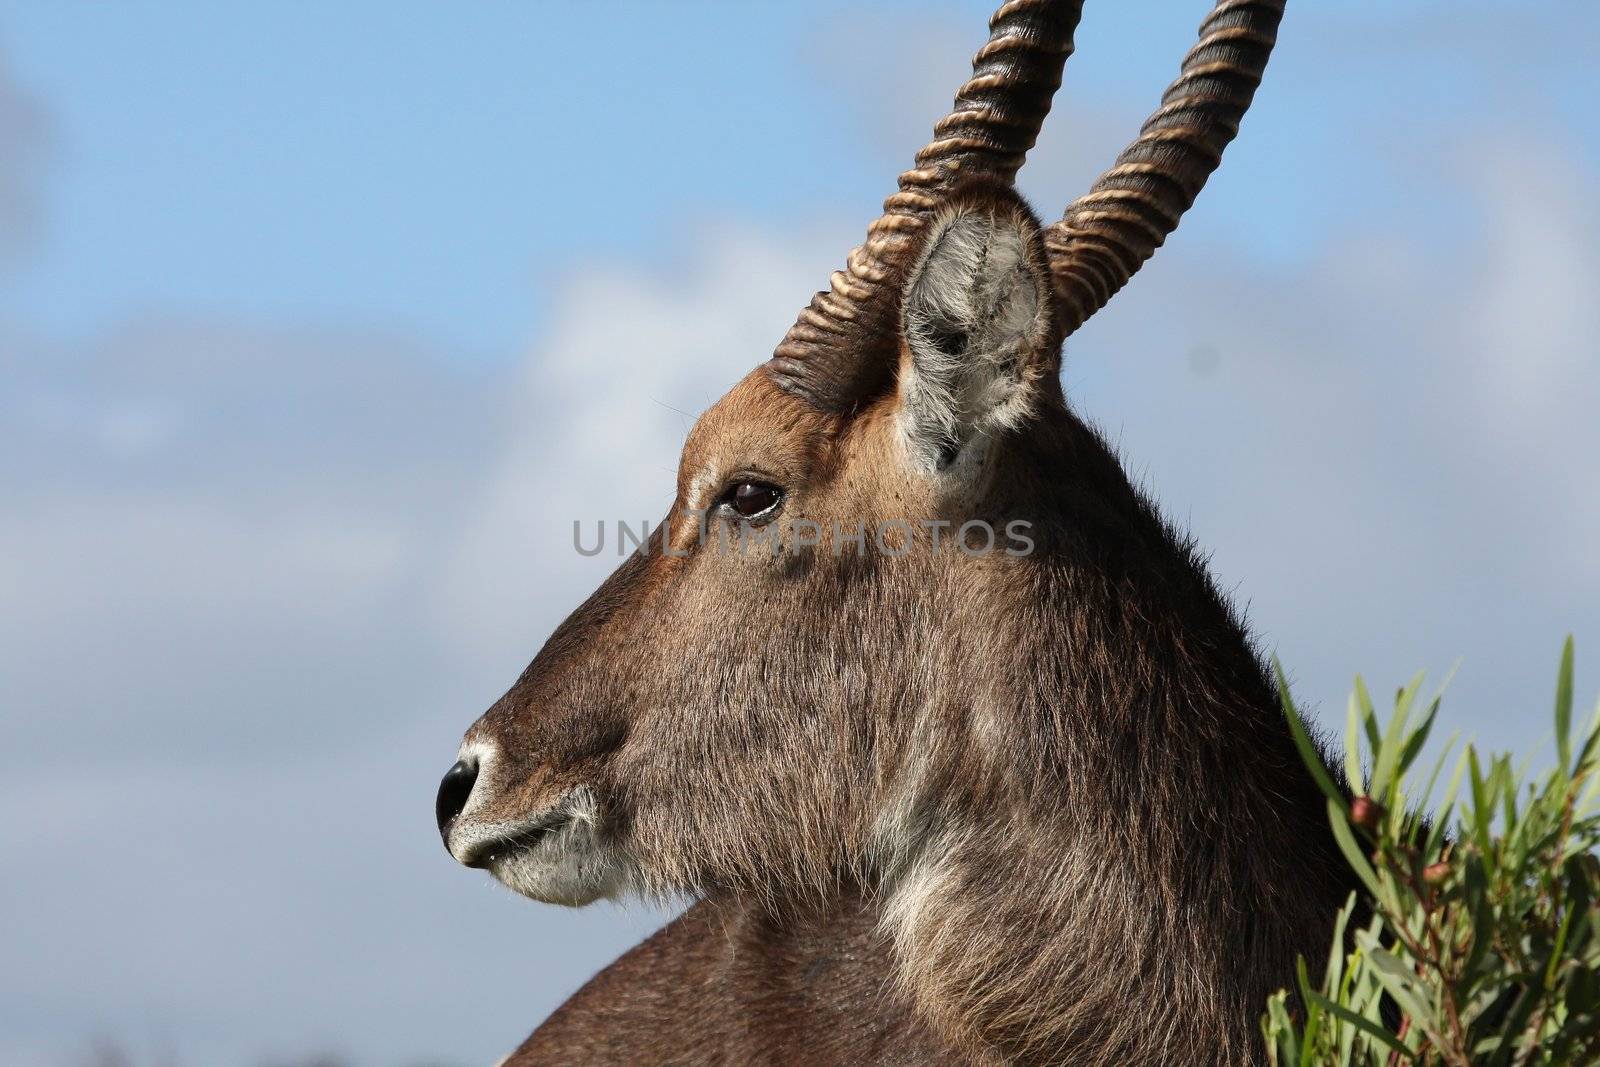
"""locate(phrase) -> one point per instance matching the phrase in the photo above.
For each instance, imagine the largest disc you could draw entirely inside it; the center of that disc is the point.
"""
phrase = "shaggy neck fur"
(1101, 847)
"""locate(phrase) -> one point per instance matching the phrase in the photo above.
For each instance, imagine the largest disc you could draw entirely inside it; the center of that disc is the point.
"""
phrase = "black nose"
(453, 794)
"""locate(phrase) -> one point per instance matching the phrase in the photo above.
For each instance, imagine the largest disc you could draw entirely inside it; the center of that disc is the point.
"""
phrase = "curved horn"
(1108, 233)
(995, 119)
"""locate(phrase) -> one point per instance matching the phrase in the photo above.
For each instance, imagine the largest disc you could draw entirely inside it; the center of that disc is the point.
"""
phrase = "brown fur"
(943, 808)
(728, 985)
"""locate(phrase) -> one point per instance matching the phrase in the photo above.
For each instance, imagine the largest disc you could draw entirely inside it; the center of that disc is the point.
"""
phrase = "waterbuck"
(950, 736)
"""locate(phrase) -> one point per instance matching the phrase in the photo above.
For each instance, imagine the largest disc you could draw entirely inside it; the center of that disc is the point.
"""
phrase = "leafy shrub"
(1476, 939)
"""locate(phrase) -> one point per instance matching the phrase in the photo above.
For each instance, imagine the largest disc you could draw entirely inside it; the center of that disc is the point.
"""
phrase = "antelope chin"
(555, 857)
(553, 875)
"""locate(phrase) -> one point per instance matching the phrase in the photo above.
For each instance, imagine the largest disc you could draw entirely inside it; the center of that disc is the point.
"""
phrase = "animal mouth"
(521, 841)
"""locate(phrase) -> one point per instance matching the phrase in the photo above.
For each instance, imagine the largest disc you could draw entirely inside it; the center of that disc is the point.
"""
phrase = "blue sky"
(431, 165)
(319, 325)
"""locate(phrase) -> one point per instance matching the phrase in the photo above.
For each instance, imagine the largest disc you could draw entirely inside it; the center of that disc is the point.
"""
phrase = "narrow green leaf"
(1447, 805)
(1340, 821)
(1335, 974)
(1516, 1020)
(1284, 1028)
(1418, 738)
(1401, 984)
(1504, 786)
(1475, 887)
(1352, 749)
(1508, 798)
(1564, 707)
(1482, 803)
(1586, 802)
(1433, 776)
(1557, 949)
(1591, 737)
(1313, 1018)
(1302, 741)
(1366, 1026)
(1387, 758)
(1369, 717)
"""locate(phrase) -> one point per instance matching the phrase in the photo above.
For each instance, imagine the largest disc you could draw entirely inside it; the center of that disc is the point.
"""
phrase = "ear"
(977, 322)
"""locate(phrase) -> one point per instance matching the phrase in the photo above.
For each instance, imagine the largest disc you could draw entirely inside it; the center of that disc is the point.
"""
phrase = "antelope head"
(825, 648)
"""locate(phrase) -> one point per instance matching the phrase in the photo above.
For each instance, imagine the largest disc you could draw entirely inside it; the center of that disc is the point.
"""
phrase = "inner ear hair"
(976, 319)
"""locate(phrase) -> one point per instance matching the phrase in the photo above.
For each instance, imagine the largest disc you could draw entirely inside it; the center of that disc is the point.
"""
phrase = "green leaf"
(1482, 803)
(1369, 717)
(1283, 1029)
(1366, 1026)
(1335, 973)
(1564, 707)
(1586, 801)
(1557, 948)
(1475, 887)
(1302, 741)
(1590, 737)
(1516, 1019)
(1387, 757)
(1442, 820)
(1340, 821)
(1418, 738)
(1313, 1019)
(1401, 984)
(1352, 749)
(1433, 777)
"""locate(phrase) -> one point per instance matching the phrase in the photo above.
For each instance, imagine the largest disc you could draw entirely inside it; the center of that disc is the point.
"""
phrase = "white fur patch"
(912, 910)
(975, 314)
(570, 866)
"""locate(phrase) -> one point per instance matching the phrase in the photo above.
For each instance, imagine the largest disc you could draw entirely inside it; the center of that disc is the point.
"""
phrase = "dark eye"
(749, 499)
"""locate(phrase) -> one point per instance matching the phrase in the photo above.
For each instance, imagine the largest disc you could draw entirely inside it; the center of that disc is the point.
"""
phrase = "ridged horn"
(832, 355)
(1108, 233)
